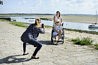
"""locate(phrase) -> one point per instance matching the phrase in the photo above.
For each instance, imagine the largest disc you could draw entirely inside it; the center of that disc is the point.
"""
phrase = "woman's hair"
(58, 13)
(37, 20)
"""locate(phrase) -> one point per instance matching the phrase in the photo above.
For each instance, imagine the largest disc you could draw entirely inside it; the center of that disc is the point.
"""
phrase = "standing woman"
(58, 24)
(30, 35)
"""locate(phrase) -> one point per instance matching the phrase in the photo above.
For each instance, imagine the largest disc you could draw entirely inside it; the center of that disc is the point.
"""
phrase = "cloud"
(82, 6)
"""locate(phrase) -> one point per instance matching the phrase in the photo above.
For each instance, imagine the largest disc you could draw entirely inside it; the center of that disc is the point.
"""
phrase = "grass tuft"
(96, 46)
(83, 41)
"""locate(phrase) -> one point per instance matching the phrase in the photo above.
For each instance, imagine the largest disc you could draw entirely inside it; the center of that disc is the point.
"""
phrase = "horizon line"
(40, 14)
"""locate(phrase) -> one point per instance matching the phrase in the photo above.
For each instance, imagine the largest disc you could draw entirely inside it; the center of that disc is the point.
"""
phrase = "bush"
(83, 41)
(96, 46)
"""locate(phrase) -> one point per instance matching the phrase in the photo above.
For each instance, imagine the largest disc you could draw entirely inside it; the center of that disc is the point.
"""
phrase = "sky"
(50, 6)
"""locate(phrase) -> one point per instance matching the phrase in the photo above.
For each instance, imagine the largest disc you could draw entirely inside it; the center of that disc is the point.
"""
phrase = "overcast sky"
(50, 6)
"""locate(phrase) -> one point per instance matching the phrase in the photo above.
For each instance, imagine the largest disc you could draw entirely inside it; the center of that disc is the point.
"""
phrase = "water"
(68, 25)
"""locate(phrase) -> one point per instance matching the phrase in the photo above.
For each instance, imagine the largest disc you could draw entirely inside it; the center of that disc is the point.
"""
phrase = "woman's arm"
(41, 29)
(54, 19)
(61, 20)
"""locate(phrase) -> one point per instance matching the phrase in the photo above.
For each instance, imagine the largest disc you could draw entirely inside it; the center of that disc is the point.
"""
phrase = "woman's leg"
(59, 34)
(38, 46)
(24, 49)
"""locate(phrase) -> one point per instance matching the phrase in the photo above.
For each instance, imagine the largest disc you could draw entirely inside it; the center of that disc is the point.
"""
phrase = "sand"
(62, 54)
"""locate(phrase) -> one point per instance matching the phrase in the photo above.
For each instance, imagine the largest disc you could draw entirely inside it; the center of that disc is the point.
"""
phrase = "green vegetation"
(96, 46)
(83, 41)
(44, 18)
(48, 26)
(2, 20)
(20, 24)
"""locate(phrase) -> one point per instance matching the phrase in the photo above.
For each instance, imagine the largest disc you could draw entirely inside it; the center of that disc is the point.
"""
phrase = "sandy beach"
(62, 54)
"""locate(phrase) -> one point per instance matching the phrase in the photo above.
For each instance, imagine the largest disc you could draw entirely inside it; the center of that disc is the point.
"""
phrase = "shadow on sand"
(13, 59)
(17, 58)
(46, 42)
